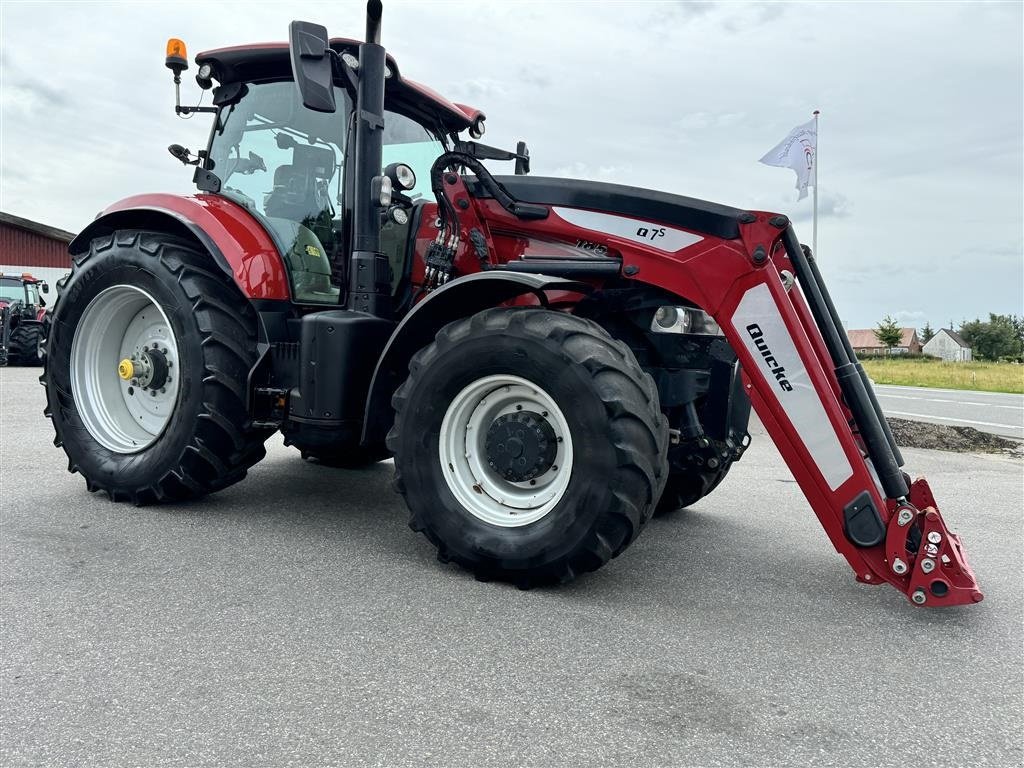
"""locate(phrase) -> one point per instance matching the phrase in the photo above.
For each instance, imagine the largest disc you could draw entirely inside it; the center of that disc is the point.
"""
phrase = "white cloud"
(921, 159)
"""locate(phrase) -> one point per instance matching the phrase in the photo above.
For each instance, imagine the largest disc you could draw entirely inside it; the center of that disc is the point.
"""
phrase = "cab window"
(406, 141)
(284, 162)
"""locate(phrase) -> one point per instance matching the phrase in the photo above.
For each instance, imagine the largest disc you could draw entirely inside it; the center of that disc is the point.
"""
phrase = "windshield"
(11, 290)
(284, 162)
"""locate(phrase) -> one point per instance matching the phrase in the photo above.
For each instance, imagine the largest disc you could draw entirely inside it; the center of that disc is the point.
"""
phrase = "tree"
(889, 333)
(927, 333)
(998, 338)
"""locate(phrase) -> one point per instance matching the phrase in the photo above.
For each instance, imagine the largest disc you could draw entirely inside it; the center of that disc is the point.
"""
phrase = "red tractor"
(22, 319)
(549, 361)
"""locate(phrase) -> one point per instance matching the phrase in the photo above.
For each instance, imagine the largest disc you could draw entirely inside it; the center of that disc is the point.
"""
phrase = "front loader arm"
(816, 404)
(763, 289)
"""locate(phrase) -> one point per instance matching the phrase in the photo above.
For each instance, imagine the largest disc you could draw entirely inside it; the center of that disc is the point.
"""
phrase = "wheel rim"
(468, 434)
(125, 414)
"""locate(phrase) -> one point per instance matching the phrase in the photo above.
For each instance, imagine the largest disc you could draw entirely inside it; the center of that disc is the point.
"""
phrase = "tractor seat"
(293, 196)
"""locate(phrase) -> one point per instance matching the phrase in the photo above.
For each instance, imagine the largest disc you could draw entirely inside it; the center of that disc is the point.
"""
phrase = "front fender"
(461, 298)
(236, 241)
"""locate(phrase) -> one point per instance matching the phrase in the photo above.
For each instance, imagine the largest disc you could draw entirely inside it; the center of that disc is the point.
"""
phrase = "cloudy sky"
(921, 115)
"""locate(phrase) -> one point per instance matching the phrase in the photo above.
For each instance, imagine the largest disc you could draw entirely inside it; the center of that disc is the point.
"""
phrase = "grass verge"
(929, 372)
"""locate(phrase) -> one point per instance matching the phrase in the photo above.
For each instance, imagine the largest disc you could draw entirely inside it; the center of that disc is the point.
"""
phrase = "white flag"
(797, 151)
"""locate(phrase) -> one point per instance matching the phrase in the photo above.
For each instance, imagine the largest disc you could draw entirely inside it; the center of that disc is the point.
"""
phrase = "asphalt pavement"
(995, 412)
(295, 620)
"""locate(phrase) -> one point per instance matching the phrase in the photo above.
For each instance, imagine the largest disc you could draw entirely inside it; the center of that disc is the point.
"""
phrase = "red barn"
(28, 246)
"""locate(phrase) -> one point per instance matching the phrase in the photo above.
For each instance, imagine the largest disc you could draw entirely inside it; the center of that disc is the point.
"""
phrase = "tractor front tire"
(529, 445)
(146, 366)
(26, 344)
(689, 484)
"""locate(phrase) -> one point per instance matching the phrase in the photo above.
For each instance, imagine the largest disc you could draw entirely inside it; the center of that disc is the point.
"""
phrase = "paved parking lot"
(295, 620)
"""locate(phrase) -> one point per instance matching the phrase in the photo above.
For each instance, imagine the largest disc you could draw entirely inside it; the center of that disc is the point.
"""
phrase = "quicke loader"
(549, 361)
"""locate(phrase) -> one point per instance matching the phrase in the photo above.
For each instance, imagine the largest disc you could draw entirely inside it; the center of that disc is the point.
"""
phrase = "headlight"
(204, 77)
(401, 175)
(684, 320)
(380, 191)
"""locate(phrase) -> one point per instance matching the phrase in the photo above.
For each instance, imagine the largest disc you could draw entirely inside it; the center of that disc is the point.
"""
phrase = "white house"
(949, 346)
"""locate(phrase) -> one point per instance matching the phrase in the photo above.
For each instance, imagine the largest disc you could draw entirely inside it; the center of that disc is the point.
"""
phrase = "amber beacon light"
(177, 55)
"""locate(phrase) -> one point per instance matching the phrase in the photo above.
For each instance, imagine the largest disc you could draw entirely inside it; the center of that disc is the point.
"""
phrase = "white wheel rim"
(124, 323)
(461, 447)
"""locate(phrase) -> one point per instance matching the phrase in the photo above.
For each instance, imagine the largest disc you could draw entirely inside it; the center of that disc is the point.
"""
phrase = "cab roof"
(261, 61)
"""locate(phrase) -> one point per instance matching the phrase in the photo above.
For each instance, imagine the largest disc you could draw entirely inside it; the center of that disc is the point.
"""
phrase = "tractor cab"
(286, 163)
(24, 290)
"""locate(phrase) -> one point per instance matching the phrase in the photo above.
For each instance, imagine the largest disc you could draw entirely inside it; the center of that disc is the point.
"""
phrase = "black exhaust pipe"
(369, 278)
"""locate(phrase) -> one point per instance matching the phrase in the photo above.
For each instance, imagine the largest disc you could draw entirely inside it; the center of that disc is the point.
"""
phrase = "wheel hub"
(520, 446)
(505, 450)
(125, 409)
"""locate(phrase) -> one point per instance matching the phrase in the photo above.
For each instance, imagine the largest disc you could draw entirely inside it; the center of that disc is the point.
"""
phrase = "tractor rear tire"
(203, 442)
(563, 388)
(26, 345)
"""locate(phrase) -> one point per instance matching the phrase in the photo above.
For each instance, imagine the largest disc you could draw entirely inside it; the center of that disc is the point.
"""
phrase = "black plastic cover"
(338, 351)
(863, 524)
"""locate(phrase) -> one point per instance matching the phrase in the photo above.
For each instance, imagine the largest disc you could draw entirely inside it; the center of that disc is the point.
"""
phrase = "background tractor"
(22, 319)
(549, 361)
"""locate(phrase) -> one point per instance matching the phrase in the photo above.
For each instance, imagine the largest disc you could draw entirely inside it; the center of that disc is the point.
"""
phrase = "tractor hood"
(684, 212)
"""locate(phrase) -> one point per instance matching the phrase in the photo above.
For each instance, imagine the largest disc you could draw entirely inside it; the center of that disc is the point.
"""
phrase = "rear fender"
(460, 298)
(236, 241)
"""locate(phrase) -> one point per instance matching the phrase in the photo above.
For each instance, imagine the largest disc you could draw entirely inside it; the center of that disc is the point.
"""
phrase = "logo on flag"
(797, 151)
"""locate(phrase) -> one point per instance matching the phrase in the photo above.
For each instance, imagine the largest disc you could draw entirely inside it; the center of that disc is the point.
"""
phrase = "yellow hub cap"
(125, 369)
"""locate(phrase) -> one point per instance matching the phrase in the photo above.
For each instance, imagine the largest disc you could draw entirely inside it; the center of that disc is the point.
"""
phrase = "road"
(294, 619)
(994, 412)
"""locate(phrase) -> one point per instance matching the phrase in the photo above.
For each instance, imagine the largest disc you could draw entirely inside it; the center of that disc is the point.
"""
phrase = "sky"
(921, 201)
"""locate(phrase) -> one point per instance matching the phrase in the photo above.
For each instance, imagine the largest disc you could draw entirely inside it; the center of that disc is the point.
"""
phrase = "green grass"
(929, 372)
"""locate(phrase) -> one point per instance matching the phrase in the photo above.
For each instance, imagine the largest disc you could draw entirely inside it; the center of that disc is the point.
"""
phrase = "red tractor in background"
(549, 361)
(22, 319)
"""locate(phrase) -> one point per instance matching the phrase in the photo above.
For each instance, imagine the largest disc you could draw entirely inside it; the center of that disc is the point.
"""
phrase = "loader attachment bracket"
(929, 558)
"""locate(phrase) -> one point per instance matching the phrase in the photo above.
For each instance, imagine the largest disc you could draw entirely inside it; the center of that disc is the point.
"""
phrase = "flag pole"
(814, 229)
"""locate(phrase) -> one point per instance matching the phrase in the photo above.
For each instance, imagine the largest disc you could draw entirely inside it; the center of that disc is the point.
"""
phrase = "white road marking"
(948, 418)
(954, 402)
(970, 392)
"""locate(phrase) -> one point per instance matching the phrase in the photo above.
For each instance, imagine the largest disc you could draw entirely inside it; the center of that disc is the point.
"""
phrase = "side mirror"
(311, 65)
(46, 287)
